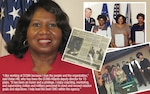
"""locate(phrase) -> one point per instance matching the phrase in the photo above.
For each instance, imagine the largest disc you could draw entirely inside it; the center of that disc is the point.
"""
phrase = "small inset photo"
(125, 71)
(86, 49)
(74, 45)
(124, 22)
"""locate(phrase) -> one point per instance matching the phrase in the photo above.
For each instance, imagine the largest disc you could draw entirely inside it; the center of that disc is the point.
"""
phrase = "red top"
(12, 65)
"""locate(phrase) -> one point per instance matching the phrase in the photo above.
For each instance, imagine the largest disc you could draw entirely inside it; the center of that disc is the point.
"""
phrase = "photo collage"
(126, 67)
(55, 47)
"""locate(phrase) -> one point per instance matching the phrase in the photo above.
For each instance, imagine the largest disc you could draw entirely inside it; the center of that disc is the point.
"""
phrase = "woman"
(38, 45)
(100, 82)
(138, 27)
(102, 28)
(120, 75)
(120, 28)
(108, 81)
(113, 74)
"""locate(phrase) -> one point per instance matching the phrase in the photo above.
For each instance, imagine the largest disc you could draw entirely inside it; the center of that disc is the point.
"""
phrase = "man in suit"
(89, 21)
(135, 68)
(127, 71)
(145, 65)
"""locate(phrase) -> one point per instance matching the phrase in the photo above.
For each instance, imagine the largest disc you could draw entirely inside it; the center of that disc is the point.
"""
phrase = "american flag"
(116, 11)
(10, 11)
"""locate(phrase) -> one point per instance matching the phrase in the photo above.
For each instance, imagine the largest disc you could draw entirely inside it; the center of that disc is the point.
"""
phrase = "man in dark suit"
(89, 21)
(127, 71)
(145, 65)
(135, 68)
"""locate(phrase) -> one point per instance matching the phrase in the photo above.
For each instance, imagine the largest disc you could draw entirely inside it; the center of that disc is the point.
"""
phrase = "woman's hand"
(113, 45)
(125, 34)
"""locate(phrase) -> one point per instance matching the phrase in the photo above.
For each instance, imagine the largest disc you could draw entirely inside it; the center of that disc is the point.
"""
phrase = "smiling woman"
(31, 20)
(43, 35)
(120, 28)
(37, 47)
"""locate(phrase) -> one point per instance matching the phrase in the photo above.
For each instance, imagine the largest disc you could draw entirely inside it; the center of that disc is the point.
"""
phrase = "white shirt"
(132, 62)
(106, 32)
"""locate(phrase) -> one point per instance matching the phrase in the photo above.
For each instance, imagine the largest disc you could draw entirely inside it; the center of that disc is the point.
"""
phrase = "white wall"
(75, 10)
(138, 7)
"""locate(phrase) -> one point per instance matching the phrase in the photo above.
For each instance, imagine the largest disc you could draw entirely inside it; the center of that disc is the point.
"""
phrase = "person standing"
(140, 26)
(108, 82)
(120, 27)
(120, 75)
(100, 82)
(135, 68)
(145, 65)
(91, 54)
(89, 21)
(102, 28)
(113, 75)
(127, 71)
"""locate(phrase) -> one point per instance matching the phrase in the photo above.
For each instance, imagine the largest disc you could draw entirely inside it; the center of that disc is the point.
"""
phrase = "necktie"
(88, 20)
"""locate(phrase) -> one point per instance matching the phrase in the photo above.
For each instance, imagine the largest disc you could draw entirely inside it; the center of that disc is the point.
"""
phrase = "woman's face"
(140, 20)
(101, 21)
(120, 20)
(43, 35)
(118, 67)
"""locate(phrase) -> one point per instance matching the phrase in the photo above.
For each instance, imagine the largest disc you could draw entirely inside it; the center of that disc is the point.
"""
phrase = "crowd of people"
(120, 27)
(131, 70)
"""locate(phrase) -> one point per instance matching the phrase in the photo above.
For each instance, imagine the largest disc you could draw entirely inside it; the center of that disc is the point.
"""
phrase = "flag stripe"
(116, 10)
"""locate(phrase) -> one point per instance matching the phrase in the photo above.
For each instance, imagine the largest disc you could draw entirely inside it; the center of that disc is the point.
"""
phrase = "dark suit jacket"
(88, 25)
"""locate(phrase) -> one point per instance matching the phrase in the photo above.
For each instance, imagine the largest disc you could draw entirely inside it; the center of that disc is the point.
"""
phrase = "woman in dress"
(120, 27)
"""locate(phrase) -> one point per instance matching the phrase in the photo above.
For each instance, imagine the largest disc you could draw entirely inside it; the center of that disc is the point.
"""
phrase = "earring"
(25, 44)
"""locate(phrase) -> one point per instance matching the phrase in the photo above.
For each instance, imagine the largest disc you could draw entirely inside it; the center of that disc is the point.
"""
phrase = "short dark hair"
(138, 54)
(16, 47)
(140, 15)
(102, 17)
(118, 16)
